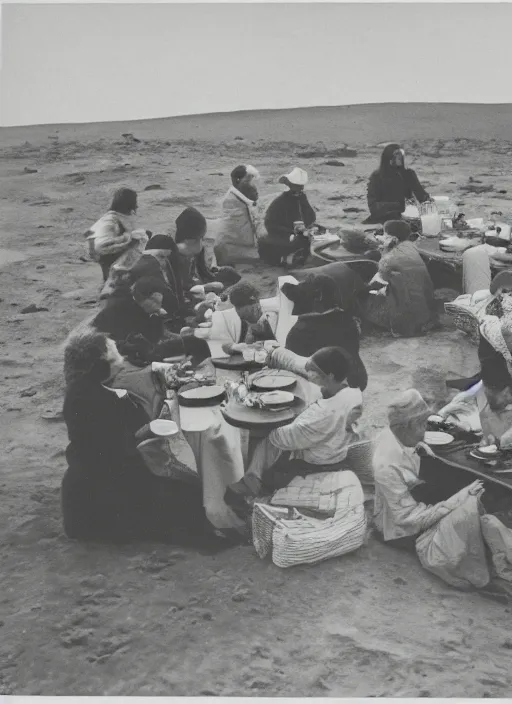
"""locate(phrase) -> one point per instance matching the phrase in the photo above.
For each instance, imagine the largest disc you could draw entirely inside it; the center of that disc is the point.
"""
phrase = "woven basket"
(293, 538)
(464, 320)
(360, 461)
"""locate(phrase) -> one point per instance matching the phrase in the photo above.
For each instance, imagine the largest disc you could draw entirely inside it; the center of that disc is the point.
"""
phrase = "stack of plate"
(277, 400)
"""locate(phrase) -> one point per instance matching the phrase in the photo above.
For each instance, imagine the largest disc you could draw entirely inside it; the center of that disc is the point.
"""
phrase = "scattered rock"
(239, 139)
(207, 616)
(507, 644)
(52, 415)
(336, 198)
(334, 162)
(28, 170)
(258, 684)
(66, 210)
(502, 191)
(154, 187)
(33, 308)
(399, 580)
(28, 393)
(130, 138)
(79, 636)
(40, 266)
(353, 210)
(218, 173)
(240, 595)
(13, 408)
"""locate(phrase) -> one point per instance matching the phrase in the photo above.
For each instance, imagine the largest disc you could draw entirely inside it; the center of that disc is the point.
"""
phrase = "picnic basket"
(292, 538)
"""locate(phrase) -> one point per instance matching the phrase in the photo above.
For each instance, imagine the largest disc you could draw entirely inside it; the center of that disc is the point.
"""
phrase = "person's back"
(333, 328)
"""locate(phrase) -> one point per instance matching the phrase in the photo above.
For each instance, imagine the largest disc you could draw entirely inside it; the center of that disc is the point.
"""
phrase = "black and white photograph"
(256, 349)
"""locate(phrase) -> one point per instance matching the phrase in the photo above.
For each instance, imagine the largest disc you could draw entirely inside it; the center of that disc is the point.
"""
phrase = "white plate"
(203, 392)
(437, 438)
(277, 398)
(435, 419)
(488, 450)
(270, 381)
(164, 428)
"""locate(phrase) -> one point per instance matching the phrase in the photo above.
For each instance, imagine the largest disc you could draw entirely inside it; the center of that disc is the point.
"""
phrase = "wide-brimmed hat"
(297, 177)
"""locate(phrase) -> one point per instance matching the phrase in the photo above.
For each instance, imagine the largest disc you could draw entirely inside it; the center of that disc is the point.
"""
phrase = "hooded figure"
(286, 221)
(238, 227)
(391, 186)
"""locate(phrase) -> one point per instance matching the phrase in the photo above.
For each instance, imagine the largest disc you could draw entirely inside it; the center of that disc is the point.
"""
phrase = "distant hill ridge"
(351, 124)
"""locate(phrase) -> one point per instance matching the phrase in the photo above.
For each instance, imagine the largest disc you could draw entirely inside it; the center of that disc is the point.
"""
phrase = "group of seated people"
(167, 301)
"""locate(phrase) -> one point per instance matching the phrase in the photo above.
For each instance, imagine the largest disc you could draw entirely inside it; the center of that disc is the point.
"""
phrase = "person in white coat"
(238, 227)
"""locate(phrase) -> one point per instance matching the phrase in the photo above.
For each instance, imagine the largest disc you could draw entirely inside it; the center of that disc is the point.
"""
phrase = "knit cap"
(409, 406)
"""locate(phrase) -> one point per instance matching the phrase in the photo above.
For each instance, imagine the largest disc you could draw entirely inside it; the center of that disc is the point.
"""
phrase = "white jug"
(431, 224)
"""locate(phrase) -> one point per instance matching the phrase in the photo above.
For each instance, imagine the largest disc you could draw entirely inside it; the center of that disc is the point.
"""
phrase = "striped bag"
(293, 538)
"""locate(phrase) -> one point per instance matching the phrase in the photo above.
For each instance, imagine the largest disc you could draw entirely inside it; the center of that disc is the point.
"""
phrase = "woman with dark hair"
(238, 227)
(108, 493)
(114, 233)
(391, 186)
(323, 322)
(319, 437)
(404, 303)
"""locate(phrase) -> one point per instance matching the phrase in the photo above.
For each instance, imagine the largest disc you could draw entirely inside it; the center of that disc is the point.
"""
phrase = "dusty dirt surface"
(149, 619)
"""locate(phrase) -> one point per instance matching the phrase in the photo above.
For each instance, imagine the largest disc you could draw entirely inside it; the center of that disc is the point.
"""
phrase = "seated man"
(391, 186)
(239, 224)
(191, 229)
(323, 321)
(405, 505)
(287, 221)
(245, 323)
(317, 440)
(136, 321)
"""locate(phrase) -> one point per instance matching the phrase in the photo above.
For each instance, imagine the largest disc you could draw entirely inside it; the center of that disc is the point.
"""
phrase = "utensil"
(163, 428)
(438, 438)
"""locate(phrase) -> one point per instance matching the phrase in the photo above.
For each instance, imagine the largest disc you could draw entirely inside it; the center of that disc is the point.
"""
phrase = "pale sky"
(108, 62)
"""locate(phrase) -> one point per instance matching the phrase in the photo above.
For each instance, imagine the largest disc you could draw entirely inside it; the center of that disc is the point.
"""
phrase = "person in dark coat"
(108, 493)
(161, 261)
(391, 186)
(142, 328)
(322, 322)
(353, 291)
(191, 229)
(287, 220)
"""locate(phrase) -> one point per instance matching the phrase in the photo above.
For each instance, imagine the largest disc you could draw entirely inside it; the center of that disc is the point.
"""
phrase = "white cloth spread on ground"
(321, 434)
(396, 471)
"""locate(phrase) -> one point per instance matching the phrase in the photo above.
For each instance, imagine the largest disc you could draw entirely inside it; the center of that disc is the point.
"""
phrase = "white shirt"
(396, 471)
(322, 433)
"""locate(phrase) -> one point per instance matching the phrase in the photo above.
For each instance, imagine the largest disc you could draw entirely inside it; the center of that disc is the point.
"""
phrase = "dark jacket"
(122, 317)
(108, 493)
(334, 328)
(166, 269)
(389, 188)
(351, 287)
(284, 211)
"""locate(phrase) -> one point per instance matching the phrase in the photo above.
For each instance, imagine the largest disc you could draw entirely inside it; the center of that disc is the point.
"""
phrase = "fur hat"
(410, 405)
(190, 225)
(399, 229)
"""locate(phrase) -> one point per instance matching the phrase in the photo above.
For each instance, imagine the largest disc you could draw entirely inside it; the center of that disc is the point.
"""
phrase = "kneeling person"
(318, 439)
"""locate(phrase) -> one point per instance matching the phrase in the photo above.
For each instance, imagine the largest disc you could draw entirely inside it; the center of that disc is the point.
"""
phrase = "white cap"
(296, 176)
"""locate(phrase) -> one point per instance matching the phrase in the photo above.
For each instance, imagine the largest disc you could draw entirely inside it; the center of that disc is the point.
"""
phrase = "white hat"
(296, 176)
